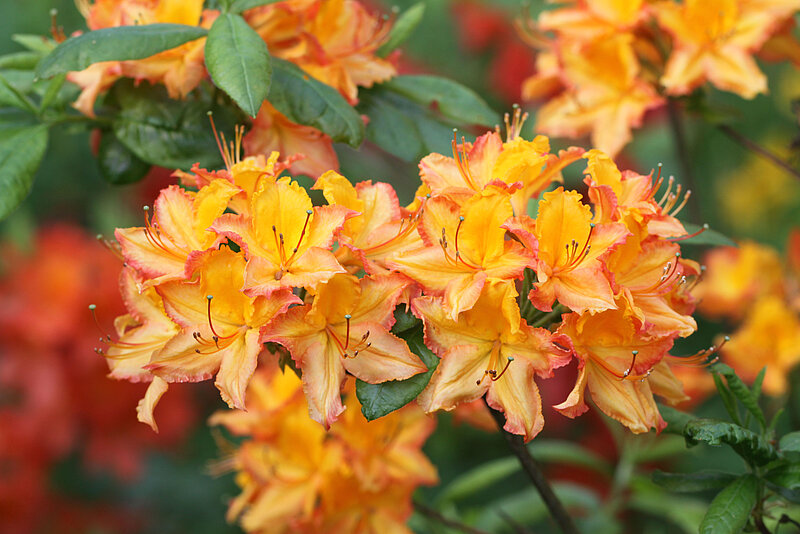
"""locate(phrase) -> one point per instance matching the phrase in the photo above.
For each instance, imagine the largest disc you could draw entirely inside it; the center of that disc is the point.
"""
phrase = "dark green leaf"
(453, 100)
(477, 479)
(20, 60)
(707, 237)
(237, 6)
(118, 164)
(10, 95)
(53, 87)
(728, 400)
(305, 100)
(34, 43)
(166, 132)
(699, 481)
(746, 443)
(758, 382)
(730, 509)
(378, 400)
(238, 62)
(403, 27)
(568, 453)
(116, 44)
(742, 392)
(21, 151)
(404, 320)
(676, 419)
(785, 480)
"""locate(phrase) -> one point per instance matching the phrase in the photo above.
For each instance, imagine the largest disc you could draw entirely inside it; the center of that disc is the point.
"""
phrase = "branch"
(531, 468)
(758, 149)
(436, 516)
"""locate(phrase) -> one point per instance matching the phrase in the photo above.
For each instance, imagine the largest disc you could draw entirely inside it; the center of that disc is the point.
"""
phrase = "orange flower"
(380, 230)
(616, 361)
(345, 329)
(311, 150)
(220, 326)
(770, 336)
(715, 41)
(180, 69)
(286, 239)
(490, 351)
(169, 243)
(465, 249)
(571, 248)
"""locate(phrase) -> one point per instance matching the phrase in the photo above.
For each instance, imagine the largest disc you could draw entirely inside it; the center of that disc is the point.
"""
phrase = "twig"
(758, 149)
(436, 516)
(682, 148)
(531, 468)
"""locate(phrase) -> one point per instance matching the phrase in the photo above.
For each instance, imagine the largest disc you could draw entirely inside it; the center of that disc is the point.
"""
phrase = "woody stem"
(758, 149)
(682, 149)
(531, 468)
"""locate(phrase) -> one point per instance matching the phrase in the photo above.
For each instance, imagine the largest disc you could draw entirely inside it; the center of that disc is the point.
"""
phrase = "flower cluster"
(295, 477)
(750, 285)
(248, 259)
(333, 41)
(602, 65)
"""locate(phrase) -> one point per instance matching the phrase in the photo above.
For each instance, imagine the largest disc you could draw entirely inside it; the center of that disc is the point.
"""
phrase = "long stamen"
(574, 259)
(494, 377)
(347, 334)
(458, 229)
(700, 358)
(462, 160)
(686, 197)
(670, 183)
(220, 143)
(112, 247)
(302, 234)
(630, 367)
(658, 181)
(689, 236)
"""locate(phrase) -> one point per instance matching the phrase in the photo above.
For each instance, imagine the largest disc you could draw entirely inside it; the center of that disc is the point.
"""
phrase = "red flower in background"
(54, 392)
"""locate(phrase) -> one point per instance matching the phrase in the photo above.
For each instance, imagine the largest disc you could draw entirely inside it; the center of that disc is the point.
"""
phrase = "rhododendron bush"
(419, 314)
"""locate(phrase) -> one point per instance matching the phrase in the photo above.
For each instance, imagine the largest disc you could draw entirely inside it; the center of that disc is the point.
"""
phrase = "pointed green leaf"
(237, 6)
(730, 509)
(707, 237)
(746, 443)
(10, 95)
(378, 400)
(53, 87)
(742, 392)
(676, 420)
(785, 479)
(757, 383)
(790, 442)
(34, 43)
(403, 27)
(307, 101)
(404, 320)
(728, 400)
(20, 60)
(21, 152)
(238, 62)
(690, 482)
(166, 132)
(116, 44)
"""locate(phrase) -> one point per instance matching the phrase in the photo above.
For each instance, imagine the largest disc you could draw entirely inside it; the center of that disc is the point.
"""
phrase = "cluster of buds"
(247, 259)
(333, 41)
(295, 477)
(602, 65)
(752, 287)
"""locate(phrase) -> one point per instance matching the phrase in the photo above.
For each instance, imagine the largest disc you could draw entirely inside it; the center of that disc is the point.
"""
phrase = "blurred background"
(73, 458)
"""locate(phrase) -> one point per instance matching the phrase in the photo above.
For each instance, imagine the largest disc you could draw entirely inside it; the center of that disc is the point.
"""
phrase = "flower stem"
(531, 468)
(682, 149)
(436, 516)
(758, 149)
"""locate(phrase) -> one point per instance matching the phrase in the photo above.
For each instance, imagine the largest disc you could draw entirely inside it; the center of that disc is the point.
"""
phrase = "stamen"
(668, 191)
(496, 377)
(574, 259)
(347, 334)
(689, 236)
(682, 204)
(700, 358)
(302, 234)
(630, 367)
(462, 160)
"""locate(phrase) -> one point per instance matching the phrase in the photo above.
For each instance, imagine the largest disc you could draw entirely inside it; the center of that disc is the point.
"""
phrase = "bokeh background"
(74, 459)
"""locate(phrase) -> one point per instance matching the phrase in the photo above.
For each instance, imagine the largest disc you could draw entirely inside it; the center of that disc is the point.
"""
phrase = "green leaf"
(10, 95)
(566, 452)
(34, 43)
(707, 237)
(53, 87)
(685, 512)
(727, 399)
(20, 60)
(790, 442)
(676, 420)
(237, 6)
(378, 400)
(116, 44)
(479, 478)
(166, 132)
(690, 482)
(758, 382)
(118, 165)
(730, 509)
(307, 101)
(454, 101)
(21, 152)
(742, 392)
(403, 27)
(238, 62)
(746, 443)
(785, 480)
(404, 320)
